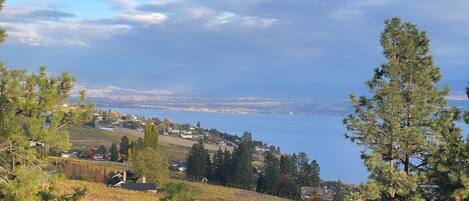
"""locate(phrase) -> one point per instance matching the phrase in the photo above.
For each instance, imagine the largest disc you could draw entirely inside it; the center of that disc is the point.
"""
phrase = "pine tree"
(314, 173)
(242, 166)
(124, 146)
(218, 166)
(228, 171)
(271, 171)
(396, 126)
(151, 135)
(114, 152)
(102, 149)
(34, 107)
(198, 162)
(303, 170)
(287, 188)
(261, 186)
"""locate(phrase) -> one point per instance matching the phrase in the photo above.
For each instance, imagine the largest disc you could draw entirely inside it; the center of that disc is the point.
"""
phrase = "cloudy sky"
(227, 48)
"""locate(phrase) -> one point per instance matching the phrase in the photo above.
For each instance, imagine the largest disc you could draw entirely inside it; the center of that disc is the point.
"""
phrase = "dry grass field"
(88, 136)
(100, 192)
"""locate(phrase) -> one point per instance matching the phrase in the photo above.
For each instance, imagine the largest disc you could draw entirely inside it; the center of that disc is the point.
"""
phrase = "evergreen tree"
(151, 135)
(314, 173)
(242, 166)
(139, 144)
(198, 162)
(303, 171)
(227, 167)
(33, 107)
(397, 126)
(287, 188)
(114, 152)
(102, 149)
(218, 166)
(287, 165)
(271, 171)
(198, 125)
(124, 145)
(261, 186)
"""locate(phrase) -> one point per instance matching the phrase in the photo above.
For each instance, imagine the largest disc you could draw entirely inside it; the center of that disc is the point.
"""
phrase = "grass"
(92, 137)
(100, 192)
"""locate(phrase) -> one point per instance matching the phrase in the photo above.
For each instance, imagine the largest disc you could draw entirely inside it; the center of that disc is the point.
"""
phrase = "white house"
(186, 136)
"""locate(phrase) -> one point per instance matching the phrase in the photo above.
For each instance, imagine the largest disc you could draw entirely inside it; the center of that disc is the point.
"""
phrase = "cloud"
(50, 14)
(59, 34)
(357, 9)
(125, 5)
(215, 18)
(145, 18)
(122, 92)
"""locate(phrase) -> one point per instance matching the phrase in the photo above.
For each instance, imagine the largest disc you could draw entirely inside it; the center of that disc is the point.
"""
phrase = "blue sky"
(227, 48)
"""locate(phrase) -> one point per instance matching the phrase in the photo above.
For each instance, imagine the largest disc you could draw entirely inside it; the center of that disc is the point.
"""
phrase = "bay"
(321, 137)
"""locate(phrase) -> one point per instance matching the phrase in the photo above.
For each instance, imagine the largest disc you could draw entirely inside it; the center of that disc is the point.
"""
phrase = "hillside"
(98, 191)
(87, 136)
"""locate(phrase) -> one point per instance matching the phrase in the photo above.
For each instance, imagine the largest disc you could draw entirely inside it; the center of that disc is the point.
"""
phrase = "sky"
(227, 48)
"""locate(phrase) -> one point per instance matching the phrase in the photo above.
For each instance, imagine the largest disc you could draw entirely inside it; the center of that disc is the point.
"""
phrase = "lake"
(321, 137)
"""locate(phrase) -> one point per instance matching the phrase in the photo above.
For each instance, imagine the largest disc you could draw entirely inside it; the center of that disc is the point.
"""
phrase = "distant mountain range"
(113, 96)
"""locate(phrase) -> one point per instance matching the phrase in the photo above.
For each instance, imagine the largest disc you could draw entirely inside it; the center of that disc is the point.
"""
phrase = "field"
(170, 140)
(99, 192)
(173, 148)
(88, 136)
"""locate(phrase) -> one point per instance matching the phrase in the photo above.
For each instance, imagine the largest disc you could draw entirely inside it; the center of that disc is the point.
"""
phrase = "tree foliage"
(151, 164)
(198, 162)
(151, 135)
(405, 128)
(34, 113)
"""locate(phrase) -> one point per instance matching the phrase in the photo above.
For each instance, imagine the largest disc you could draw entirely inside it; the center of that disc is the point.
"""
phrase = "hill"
(98, 191)
(88, 136)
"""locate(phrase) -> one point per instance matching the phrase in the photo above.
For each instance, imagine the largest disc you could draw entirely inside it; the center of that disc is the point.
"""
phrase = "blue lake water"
(321, 137)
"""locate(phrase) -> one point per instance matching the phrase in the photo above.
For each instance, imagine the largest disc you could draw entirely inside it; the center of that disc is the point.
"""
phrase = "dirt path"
(169, 139)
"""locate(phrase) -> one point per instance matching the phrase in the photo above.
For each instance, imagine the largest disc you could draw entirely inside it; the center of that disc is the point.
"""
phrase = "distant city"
(113, 96)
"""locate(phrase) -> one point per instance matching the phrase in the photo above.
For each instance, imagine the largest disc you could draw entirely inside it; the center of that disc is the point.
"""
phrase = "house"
(308, 192)
(118, 179)
(148, 187)
(181, 169)
(35, 143)
(99, 157)
(115, 181)
(204, 180)
(186, 136)
(261, 149)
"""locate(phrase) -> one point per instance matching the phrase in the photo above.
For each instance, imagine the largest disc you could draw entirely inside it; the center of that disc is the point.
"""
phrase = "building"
(261, 149)
(308, 192)
(186, 136)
